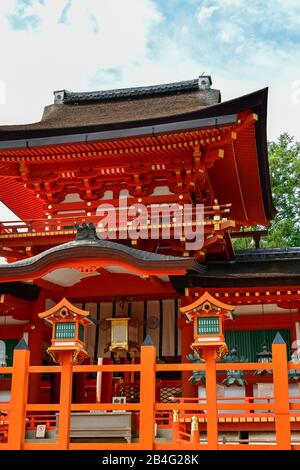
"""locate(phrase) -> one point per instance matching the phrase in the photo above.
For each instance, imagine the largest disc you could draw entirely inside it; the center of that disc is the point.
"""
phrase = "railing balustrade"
(282, 412)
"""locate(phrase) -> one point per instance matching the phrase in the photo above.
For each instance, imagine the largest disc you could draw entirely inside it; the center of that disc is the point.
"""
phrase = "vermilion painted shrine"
(84, 305)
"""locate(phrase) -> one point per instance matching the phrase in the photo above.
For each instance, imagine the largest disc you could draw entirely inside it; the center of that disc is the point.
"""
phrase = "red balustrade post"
(281, 394)
(18, 401)
(65, 401)
(147, 395)
(211, 398)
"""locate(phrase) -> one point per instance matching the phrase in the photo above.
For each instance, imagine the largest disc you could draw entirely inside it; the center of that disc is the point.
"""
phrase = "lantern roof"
(207, 297)
(265, 352)
(54, 311)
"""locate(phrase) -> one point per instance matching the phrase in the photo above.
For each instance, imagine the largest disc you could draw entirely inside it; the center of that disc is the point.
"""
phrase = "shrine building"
(73, 276)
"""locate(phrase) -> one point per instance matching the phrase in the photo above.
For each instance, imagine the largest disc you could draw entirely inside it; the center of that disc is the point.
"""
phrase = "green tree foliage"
(284, 164)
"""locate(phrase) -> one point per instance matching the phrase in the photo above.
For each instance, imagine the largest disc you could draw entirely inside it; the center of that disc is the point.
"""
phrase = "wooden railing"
(281, 409)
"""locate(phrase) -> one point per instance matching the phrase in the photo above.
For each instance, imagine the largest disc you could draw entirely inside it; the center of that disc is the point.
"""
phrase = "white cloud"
(97, 34)
(206, 12)
(231, 33)
(107, 44)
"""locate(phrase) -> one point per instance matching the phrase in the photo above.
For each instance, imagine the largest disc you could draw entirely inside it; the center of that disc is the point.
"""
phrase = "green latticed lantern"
(264, 356)
(294, 374)
(198, 376)
(234, 377)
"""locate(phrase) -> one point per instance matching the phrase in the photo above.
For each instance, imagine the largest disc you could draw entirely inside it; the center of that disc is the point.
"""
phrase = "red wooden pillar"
(55, 388)
(249, 390)
(106, 384)
(211, 398)
(65, 400)
(79, 387)
(281, 394)
(19, 388)
(187, 338)
(127, 375)
(35, 341)
(147, 399)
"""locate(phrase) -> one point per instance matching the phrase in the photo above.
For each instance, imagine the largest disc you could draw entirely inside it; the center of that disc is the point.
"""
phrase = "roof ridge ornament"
(86, 231)
(59, 96)
(204, 82)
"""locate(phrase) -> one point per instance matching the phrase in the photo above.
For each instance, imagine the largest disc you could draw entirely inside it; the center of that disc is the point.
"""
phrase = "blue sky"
(95, 44)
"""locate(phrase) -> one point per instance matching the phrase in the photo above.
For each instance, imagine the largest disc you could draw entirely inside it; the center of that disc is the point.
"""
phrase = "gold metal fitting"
(194, 423)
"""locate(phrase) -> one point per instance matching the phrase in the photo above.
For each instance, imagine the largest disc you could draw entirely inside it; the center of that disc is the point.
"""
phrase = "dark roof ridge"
(100, 243)
(68, 97)
(263, 254)
(93, 248)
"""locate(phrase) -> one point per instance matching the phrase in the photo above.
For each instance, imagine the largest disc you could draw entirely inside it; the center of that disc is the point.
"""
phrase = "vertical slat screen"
(250, 342)
(164, 332)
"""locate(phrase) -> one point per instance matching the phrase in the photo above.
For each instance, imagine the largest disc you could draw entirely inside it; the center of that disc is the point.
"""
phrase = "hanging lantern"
(234, 376)
(264, 356)
(3, 357)
(294, 374)
(198, 376)
(122, 336)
